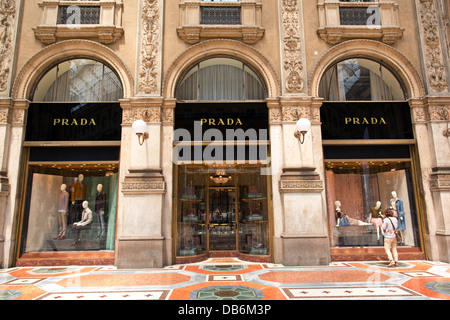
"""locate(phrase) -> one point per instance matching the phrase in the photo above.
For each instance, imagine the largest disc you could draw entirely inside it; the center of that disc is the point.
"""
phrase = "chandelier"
(220, 177)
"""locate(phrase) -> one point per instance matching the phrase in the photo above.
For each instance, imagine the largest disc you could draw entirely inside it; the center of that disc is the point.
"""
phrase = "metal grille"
(220, 15)
(78, 15)
(354, 15)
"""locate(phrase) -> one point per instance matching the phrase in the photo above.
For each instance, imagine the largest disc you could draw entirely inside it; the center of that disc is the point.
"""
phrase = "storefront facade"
(221, 170)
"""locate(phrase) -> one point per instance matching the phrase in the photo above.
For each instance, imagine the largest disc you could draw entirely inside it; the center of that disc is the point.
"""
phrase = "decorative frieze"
(434, 61)
(148, 114)
(435, 109)
(7, 25)
(143, 181)
(149, 49)
(292, 46)
(294, 109)
(300, 180)
(300, 186)
(440, 179)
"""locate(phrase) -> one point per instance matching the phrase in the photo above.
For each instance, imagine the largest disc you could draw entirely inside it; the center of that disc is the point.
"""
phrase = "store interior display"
(67, 211)
(359, 193)
(222, 209)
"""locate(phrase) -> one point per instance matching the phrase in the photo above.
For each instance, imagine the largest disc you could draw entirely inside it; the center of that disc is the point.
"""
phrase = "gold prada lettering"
(221, 122)
(360, 121)
(74, 122)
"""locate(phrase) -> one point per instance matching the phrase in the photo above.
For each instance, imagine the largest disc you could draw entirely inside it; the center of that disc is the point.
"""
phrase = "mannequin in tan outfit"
(63, 205)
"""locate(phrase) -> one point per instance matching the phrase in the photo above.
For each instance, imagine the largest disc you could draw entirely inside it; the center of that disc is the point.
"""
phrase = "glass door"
(222, 209)
(222, 204)
(222, 218)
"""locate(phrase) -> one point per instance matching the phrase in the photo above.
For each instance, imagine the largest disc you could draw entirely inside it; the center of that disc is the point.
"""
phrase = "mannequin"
(376, 218)
(338, 212)
(83, 224)
(100, 208)
(78, 196)
(397, 205)
(63, 205)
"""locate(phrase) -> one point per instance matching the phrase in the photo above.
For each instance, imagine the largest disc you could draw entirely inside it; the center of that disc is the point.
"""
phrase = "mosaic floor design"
(230, 279)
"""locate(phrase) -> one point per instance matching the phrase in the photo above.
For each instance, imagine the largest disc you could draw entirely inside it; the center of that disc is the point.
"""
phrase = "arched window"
(359, 79)
(79, 80)
(220, 79)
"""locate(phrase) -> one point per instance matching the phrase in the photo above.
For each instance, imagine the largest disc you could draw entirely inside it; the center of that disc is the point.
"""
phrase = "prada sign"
(366, 120)
(221, 119)
(74, 122)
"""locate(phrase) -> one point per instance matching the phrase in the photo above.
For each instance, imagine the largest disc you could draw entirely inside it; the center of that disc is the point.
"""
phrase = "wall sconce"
(303, 126)
(140, 128)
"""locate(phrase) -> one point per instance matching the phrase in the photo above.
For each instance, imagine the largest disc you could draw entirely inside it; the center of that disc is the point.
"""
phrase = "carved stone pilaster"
(7, 26)
(168, 112)
(292, 46)
(149, 74)
(434, 59)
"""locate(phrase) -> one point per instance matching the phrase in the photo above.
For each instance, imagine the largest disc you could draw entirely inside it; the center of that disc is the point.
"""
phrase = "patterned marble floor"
(231, 279)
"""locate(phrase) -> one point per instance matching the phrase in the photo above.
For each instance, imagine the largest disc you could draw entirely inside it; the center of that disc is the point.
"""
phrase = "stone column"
(11, 128)
(434, 115)
(5, 187)
(140, 237)
(305, 237)
(12, 134)
(140, 240)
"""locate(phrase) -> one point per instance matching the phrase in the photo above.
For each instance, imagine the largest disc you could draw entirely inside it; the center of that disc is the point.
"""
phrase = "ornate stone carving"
(150, 38)
(419, 114)
(292, 114)
(143, 181)
(440, 179)
(17, 116)
(7, 23)
(141, 186)
(4, 115)
(301, 186)
(434, 61)
(167, 116)
(439, 113)
(300, 180)
(291, 38)
(148, 114)
(275, 116)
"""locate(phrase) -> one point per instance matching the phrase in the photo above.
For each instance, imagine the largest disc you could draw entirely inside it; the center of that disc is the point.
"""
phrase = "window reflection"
(359, 79)
(79, 80)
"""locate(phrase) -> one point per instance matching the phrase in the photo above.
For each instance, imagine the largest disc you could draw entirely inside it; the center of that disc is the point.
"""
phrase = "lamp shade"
(139, 127)
(303, 125)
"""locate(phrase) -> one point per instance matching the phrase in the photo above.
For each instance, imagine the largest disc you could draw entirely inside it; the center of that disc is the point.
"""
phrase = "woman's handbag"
(398, 236)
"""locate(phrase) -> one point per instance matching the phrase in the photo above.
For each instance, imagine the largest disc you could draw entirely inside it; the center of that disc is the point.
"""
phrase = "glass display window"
(254, 215)
(191, 207)
(222, 209)
(70, 207)
(359, 192)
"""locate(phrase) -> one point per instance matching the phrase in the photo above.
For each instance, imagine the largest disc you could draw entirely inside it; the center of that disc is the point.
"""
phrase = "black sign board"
(238, 121)
(366, 120)
(74, 122)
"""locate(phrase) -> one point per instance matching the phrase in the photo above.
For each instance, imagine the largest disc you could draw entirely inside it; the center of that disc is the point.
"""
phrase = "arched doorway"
(71, 155)
(370, 155)
(221, 153)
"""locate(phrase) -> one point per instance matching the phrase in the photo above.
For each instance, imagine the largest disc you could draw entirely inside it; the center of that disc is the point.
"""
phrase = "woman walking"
(389, 226)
